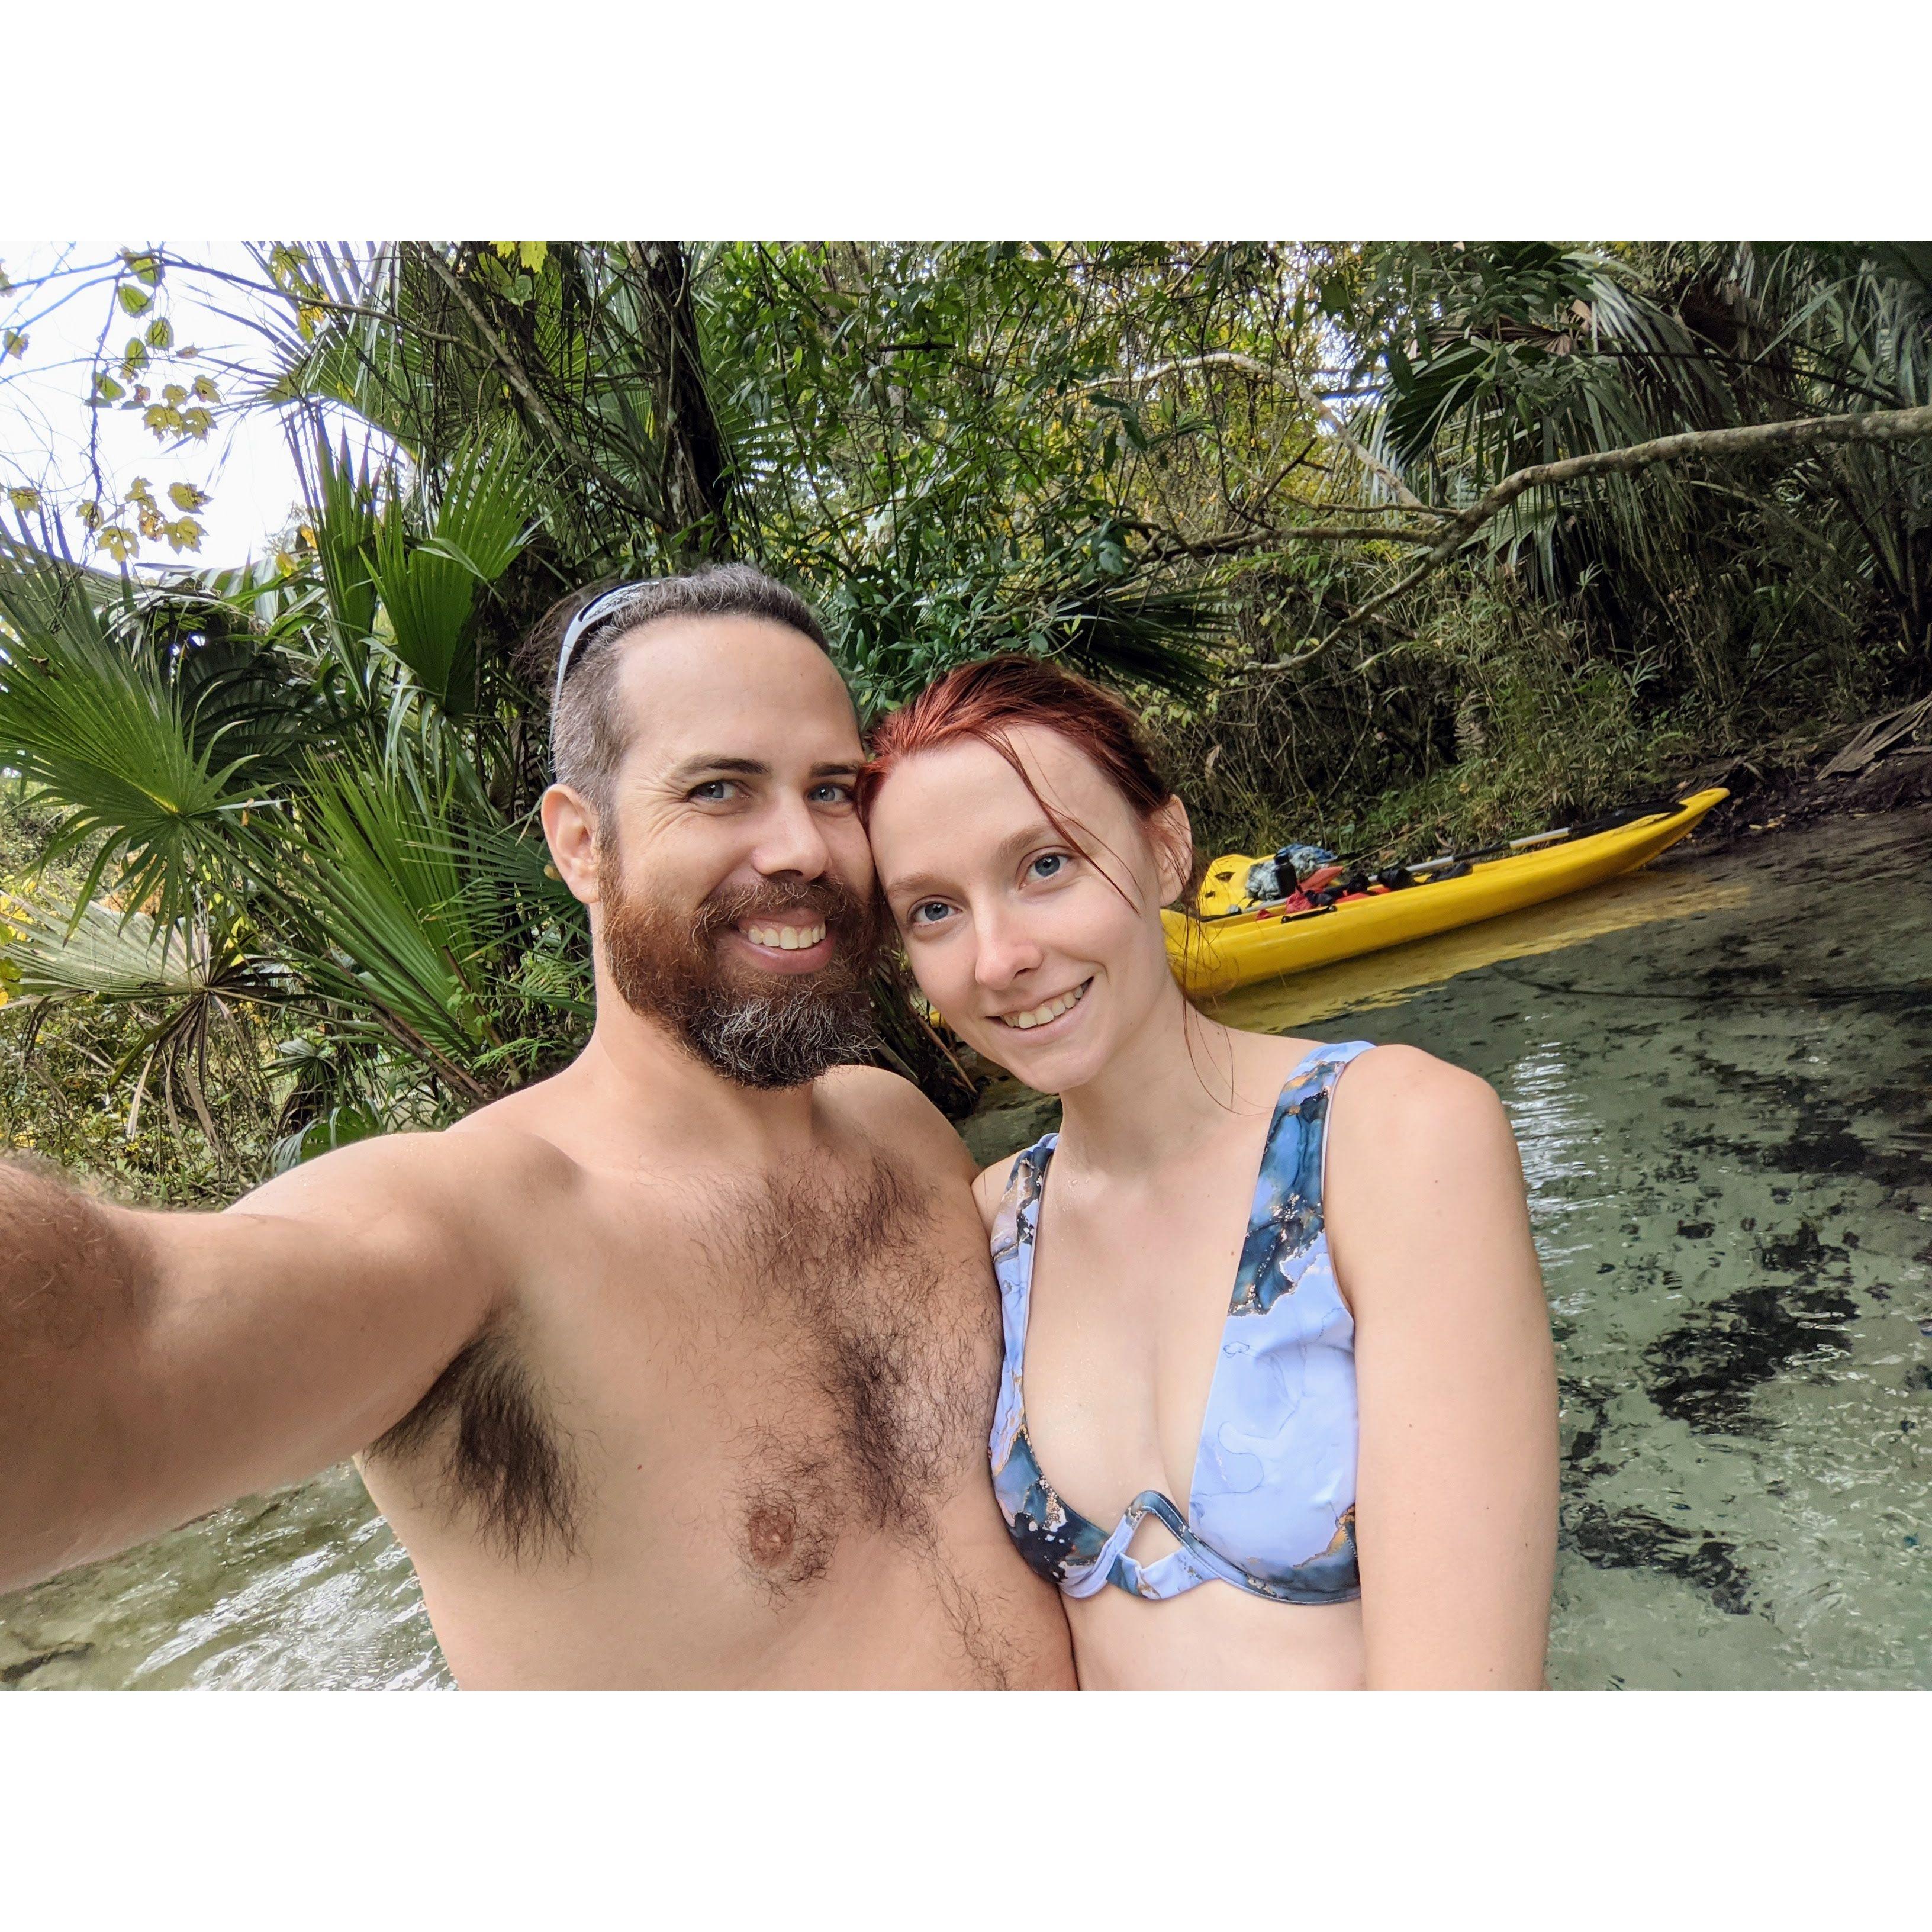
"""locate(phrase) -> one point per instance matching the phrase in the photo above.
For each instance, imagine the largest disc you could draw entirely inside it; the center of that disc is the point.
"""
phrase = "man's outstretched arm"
(155, 1366)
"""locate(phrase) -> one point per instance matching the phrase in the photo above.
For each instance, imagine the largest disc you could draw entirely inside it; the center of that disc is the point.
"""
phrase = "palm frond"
(93, 723)
(342, 513)
(428, 586)
(370, 868)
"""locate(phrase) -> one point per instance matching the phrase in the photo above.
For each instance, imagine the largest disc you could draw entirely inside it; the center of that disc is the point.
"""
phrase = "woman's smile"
(1047, 1013)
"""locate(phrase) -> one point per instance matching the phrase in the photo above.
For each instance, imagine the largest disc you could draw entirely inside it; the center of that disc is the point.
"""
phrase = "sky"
(245, 464)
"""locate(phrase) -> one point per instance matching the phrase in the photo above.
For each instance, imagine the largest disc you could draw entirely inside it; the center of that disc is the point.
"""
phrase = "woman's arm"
(1456, 1509)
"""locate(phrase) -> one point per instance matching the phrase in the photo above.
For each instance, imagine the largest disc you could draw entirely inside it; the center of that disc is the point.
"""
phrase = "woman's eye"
(927, 912)
(1047, 865)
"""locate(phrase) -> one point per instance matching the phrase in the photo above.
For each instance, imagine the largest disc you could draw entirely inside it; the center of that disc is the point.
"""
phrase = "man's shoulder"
(889, 1109)
(488, 1160)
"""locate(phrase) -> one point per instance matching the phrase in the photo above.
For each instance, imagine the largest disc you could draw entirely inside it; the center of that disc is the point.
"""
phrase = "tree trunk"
(696, 468)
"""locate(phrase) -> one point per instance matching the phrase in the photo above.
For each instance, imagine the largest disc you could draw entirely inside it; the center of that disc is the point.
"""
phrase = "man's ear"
(570, 826)
(1173, 840)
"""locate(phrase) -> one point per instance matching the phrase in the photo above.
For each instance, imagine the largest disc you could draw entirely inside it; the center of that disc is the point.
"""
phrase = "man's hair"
(588, 732)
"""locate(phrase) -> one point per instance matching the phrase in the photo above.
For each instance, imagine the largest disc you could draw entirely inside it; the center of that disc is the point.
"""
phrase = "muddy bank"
(1769, 792)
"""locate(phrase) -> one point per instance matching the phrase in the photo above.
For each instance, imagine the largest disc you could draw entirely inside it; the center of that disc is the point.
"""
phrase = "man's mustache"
(842, 910)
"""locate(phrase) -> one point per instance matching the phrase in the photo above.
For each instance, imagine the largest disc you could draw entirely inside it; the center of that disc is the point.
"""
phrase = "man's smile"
(786, 942)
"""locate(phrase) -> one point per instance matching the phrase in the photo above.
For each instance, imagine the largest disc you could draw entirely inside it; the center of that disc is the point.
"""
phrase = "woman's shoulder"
(1398, 1086)
(1407, 1130)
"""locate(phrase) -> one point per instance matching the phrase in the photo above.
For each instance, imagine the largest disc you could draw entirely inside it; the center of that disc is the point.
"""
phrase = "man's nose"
(791, 840)
(1005, 950)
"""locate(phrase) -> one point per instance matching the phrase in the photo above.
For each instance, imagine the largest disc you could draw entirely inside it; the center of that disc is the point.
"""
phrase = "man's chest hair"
(855, 1332)
(832, 1331)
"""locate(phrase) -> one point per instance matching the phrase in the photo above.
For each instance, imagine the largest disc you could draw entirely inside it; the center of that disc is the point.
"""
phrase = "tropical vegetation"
(1379, 540)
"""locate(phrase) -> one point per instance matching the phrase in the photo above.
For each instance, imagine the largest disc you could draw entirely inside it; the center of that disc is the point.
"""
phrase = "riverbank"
(1773, 791)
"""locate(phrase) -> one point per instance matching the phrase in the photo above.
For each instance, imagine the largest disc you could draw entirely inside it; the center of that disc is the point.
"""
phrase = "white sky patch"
(244, 465)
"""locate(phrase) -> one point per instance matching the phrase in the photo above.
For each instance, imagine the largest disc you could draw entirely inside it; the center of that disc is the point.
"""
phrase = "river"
(1719, 1071)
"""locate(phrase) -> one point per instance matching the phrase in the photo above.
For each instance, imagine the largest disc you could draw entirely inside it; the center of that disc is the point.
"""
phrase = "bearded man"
(676, 1369)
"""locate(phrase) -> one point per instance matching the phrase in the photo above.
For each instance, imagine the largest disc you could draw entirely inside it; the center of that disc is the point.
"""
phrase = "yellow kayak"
(1214, 955)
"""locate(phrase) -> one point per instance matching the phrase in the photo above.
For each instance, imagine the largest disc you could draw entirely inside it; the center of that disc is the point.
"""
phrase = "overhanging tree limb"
(1234, 543)
(1870, 426)
(1229, 358)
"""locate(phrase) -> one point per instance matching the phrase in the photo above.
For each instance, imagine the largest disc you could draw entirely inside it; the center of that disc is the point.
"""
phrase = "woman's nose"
(1006, 950)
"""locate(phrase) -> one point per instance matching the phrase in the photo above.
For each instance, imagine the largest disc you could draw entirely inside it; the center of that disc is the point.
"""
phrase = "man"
(675, 1369)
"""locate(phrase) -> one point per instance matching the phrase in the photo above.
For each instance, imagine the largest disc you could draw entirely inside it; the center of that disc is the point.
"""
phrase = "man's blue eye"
(833, 793)
(713, 791)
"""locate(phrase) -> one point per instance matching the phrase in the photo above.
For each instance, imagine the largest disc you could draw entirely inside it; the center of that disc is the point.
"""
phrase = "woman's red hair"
(986, 700)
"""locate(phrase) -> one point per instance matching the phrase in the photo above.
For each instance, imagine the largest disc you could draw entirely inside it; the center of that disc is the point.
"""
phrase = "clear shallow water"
(1720, 1074)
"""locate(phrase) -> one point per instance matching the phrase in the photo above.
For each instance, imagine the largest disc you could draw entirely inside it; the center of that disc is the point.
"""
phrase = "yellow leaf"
(160, 418)
(185, 533)
(206, 391)
(140, 490)
(186, 496)
(12, 343)
(196, 423)
(24, 499)
(532, 254)
(174, 394)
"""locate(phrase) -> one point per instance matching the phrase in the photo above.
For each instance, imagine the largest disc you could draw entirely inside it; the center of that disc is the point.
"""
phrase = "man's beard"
(764, 1030)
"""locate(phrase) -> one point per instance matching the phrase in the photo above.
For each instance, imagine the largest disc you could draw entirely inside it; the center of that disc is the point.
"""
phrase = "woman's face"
(1015, 933)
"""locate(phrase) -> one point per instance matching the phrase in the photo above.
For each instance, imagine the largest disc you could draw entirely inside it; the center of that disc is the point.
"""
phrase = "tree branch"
(1869, 426)
(1230, 359)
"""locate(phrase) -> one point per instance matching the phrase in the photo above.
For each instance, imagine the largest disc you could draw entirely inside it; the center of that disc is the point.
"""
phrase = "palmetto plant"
(283, 817)
(304, 793)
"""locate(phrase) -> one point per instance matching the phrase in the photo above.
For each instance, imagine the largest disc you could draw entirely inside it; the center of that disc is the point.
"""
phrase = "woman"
(1341, 1473)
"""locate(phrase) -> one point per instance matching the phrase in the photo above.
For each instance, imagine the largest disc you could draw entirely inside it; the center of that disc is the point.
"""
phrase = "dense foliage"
(290, 888)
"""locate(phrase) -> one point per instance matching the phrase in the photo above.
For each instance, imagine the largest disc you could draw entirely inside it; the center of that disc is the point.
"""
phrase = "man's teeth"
(1052, 1010)
(786, 938)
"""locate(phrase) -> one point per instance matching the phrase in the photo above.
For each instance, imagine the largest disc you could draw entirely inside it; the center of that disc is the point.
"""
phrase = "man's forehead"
(732, 677)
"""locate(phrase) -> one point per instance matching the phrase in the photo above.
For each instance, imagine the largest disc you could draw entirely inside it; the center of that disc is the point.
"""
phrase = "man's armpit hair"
(482, 1433)
(70, 1271)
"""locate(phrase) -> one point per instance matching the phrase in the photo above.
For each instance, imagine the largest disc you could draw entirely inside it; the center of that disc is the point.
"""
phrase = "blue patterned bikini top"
(1272, 1505)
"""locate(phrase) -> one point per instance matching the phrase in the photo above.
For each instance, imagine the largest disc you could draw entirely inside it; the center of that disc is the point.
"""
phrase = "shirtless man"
(676, 1369)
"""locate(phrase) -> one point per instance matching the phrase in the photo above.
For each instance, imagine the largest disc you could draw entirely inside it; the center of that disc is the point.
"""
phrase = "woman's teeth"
(1052, 1010)
(785, 938)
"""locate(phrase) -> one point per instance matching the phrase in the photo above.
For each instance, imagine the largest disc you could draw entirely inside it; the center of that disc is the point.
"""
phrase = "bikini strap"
(1286, 1219)
(1316, 1077)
